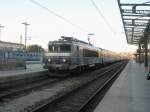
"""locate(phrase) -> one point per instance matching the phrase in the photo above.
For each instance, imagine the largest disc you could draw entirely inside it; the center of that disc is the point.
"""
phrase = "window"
(89, 53)
(60, 48)
(50, 48)
(53, 48)
(10, 54)
(65, 48)
(77, 48)
(6, 54)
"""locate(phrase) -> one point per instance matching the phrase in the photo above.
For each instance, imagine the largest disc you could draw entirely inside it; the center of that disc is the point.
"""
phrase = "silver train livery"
(68, 54)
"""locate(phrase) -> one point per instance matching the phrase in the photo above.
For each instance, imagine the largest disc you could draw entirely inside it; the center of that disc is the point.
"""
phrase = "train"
(26, 56)
(68, 53)
(10, 59)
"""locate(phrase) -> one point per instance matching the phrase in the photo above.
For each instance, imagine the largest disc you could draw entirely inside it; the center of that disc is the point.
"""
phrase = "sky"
(45, 26)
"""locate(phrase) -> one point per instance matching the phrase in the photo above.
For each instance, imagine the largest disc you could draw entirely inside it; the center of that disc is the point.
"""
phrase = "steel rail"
(11, 92)
(42, 107)
(101, 88)
(33, 84)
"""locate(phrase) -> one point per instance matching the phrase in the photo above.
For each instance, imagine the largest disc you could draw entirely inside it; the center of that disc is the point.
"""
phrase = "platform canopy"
(136, 20)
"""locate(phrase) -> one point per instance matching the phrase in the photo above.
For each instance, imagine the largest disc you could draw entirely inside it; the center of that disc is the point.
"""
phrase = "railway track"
(48, 92)
(21, 87)
(14, 89)
(78, 99)
(94, 99)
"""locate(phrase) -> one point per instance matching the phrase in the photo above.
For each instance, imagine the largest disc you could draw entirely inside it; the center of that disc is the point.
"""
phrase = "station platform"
(32, 69)
(129, 93)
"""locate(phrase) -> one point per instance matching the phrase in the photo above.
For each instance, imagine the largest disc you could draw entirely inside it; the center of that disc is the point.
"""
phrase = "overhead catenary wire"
(103, 17)
(57, 15)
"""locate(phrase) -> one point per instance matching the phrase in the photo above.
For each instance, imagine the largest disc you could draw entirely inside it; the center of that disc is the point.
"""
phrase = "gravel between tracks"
(38, 98)
(30, 101)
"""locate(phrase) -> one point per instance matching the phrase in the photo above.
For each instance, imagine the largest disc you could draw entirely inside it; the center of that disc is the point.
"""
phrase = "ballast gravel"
(38, 98)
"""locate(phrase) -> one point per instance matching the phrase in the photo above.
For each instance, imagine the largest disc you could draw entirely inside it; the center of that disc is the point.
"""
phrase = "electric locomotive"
(68, 54)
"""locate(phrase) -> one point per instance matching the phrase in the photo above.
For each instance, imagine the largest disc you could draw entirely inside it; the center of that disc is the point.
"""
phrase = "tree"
(35, 48)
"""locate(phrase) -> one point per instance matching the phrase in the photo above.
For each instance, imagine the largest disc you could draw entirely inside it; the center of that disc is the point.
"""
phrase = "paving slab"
(129, 93)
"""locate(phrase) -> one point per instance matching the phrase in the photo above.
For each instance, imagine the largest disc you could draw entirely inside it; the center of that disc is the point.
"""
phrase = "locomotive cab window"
(65, 48)
(53, 48)
(50, 48)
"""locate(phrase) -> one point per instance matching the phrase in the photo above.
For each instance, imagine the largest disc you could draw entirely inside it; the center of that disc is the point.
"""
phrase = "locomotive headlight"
(64, 60)
(49, 60)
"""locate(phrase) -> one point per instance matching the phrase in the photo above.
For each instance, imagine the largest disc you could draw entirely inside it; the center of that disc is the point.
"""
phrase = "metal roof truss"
(136, 21)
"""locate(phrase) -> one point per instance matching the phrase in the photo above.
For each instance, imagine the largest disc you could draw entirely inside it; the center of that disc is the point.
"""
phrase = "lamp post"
(26, 24)
(1, 31)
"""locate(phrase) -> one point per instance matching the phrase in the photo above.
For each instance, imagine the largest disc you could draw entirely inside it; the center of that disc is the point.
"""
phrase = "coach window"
(6, 54)
(10, 55)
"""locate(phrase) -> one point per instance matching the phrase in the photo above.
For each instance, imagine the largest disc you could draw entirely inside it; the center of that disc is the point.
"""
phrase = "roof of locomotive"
(68, 40)
(71, 40)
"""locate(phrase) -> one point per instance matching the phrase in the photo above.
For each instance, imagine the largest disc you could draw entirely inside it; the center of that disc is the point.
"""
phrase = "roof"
(136, 20)
(68, 39)
(73, 40)
(4, 44)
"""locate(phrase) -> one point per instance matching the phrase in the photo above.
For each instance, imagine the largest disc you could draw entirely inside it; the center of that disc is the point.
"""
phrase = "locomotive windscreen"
(53, 48)
(60, 48)
(65, 48)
